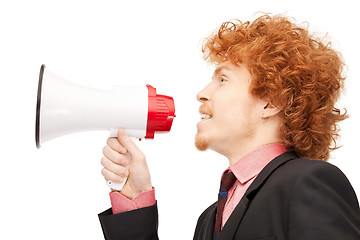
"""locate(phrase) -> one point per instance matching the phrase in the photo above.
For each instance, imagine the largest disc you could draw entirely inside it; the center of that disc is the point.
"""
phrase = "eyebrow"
(218, 70)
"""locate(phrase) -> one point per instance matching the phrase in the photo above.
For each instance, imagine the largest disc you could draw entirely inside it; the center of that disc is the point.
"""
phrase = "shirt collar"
(250, 165)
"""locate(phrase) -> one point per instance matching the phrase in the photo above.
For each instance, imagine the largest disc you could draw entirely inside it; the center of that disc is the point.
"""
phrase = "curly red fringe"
(295, 71)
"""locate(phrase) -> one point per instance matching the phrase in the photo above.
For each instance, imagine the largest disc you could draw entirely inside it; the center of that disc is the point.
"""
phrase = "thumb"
(129, 144)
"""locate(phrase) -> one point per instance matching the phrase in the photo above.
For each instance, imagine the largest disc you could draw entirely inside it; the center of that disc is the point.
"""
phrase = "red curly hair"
(293, 70)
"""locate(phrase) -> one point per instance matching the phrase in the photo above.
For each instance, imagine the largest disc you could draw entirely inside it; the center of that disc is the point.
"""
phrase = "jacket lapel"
(237, 215)
(209, 235)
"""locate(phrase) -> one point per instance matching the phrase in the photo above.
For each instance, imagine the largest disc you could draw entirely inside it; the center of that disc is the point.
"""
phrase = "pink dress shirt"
(245, 170)
(120, 203)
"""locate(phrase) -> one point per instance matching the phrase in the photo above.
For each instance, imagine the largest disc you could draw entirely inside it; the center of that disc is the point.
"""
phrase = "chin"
(201, 143)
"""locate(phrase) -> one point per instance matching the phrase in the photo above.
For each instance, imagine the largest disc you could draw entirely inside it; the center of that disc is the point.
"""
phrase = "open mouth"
(205, 112)
(205, 116)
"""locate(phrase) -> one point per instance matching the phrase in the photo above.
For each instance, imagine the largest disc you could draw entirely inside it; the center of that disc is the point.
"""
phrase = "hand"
(115, 163)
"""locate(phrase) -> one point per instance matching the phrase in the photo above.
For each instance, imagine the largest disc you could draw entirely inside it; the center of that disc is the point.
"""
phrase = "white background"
(56, 192)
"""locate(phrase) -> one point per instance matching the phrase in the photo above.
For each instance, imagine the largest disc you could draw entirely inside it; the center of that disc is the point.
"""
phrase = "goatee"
(201, 143)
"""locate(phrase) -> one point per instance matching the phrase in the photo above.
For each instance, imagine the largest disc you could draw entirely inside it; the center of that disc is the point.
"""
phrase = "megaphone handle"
(118, 186)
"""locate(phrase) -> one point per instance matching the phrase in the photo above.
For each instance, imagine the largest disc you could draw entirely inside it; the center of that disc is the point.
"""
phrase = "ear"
(269, 111)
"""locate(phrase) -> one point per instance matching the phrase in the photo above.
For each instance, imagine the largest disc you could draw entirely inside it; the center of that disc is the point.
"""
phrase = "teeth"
(205, 116)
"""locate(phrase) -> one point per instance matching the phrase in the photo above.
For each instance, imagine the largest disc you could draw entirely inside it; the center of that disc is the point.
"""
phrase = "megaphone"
(64, 107)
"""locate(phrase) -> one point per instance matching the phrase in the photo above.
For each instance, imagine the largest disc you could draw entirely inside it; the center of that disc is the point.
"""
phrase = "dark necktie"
(227, 181)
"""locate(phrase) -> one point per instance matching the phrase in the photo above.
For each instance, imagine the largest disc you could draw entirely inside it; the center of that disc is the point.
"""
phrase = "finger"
(114, 168)
(115, 156)
(115, 145)
(127, 143)
(108, 175)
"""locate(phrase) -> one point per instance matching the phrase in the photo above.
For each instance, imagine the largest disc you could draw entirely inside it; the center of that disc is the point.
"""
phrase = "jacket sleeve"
(323, 206)
(139, 224)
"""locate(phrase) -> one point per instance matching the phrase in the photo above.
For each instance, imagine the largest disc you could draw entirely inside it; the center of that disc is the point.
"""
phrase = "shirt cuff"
(121, 204)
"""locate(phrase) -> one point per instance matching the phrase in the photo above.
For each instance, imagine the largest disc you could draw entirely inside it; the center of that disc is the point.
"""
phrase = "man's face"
(229, 114)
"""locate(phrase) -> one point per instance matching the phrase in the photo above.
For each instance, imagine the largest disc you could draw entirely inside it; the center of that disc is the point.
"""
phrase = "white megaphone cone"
(64, 107)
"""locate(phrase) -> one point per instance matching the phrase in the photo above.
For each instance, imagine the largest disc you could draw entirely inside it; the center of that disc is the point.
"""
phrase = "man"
(269, 109)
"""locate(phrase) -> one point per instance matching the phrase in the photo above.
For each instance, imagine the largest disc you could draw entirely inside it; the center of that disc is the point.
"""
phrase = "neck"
(240, 148)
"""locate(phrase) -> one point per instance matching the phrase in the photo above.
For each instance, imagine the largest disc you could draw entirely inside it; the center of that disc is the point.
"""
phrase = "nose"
(201, 97)
(204, 94)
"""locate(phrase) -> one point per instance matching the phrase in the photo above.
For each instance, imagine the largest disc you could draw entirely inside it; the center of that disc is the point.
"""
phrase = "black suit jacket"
(292, 198)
